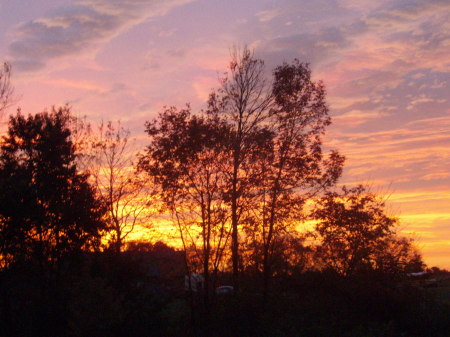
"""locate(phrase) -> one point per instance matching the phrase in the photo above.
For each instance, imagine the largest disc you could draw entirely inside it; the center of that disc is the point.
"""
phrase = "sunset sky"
(386, 65)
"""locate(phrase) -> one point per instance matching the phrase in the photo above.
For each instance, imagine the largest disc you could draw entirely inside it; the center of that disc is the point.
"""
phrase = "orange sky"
(385, 65)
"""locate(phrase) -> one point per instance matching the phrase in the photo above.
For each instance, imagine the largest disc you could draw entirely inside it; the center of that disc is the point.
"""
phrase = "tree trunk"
(234, 223)
(266, 277)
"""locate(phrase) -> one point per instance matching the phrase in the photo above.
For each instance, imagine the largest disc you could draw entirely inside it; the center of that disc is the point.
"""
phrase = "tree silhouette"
(6, 90)
(186, 158)
(276, 160)
(121, 189)
(357, 235)
(47, 208)
(291, 166)
(244, 100)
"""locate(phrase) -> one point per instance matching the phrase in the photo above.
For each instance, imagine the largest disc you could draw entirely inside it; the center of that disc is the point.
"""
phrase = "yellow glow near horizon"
(418, 226)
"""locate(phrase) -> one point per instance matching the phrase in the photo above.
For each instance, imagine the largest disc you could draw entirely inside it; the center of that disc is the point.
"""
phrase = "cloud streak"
(79, 28)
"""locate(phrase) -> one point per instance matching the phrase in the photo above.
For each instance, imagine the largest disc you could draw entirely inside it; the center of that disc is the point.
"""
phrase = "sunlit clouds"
(385, 64)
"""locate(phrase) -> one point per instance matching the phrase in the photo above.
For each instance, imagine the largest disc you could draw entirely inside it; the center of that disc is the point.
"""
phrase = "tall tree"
(276, 148)
(47, 207)
(120, 187)
(186, 158)
(293, 168)
(244, 100)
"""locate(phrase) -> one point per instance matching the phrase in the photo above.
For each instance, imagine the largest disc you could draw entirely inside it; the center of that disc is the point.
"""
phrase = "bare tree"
(126, 195)
(6, 90)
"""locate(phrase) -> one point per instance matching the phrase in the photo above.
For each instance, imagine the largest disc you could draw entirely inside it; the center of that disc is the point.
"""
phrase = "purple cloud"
(79, 28)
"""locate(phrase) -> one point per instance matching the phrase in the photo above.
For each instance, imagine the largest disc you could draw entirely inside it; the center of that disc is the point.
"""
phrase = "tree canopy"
(47, 207)
(357, 235)
(250, 161)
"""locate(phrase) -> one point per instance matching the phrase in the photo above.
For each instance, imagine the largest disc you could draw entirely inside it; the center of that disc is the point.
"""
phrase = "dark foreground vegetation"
(141, 293)
(237, 180)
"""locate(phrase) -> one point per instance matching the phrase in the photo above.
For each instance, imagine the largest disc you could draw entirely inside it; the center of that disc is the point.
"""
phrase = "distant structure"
(421, 273)
(194, 282)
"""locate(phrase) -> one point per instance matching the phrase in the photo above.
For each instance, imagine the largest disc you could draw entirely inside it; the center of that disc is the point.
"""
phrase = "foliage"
(244, 100)
(275, 151)
(357, 235)
(47, 208)
(291, 167)
(186, 159)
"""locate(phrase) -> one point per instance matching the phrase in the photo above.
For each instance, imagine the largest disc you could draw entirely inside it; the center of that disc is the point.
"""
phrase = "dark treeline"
(238, 180)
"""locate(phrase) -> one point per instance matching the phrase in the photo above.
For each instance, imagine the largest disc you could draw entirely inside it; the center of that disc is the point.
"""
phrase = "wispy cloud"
(79, 28)
(265, 16)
